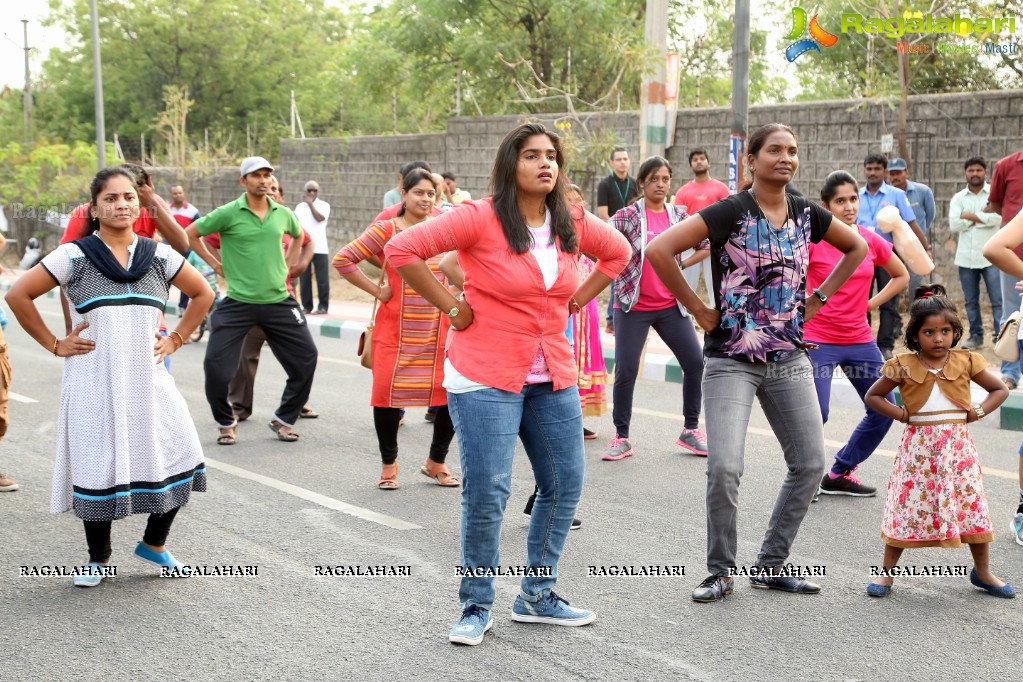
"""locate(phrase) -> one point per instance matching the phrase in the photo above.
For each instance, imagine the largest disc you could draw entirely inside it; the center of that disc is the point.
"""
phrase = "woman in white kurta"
(126, 443)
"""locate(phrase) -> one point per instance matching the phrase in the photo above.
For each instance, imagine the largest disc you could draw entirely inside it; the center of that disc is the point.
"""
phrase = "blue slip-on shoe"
(1017, 528)
(551, 609)
(1005, 591)
(875, 590)
(172, 568)
(471, 627)
(91, 575)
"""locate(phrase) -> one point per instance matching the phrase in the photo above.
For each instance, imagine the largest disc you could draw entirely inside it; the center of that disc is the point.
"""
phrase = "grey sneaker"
(1010, 382)
(972, 343)
(620, 448)
(694, 441)
(7, 485)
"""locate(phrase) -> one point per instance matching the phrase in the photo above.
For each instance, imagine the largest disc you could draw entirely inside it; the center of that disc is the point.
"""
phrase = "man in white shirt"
(312, 213)
(185, 214)
(966, 217)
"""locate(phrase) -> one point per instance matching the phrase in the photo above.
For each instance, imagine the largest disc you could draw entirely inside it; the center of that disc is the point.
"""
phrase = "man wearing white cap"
(255, 267)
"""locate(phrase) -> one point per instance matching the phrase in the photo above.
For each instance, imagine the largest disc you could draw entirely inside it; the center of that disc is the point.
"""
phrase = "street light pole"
(97, 76)
(740, 94)
(653, 116)
(27, 96)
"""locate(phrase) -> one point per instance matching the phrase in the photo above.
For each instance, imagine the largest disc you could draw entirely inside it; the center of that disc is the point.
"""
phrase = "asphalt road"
(288, 508)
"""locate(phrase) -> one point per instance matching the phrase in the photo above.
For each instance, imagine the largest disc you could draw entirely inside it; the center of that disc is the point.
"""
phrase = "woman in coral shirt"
(510, 372)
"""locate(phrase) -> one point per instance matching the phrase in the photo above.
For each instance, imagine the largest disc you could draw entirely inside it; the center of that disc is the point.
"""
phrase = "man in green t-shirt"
(256, 268)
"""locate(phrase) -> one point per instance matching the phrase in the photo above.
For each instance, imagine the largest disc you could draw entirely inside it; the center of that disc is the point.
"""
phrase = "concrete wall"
(944, 130)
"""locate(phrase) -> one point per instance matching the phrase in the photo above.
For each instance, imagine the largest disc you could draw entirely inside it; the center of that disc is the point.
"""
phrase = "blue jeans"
(488, 423)
(861, 363)
(1010, 304)
(970, 278)
(784, 389)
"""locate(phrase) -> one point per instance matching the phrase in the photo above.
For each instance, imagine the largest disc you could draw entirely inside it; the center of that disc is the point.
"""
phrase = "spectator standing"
(614, 193)
(875, 195)
(1006, 199)
(185, 214)
(694, 196)
(921, 200)
(966, 217)
(312, 213)
(455, 195)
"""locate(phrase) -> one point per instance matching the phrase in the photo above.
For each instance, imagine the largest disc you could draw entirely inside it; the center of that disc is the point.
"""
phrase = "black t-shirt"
(616, 194)
(760, 276)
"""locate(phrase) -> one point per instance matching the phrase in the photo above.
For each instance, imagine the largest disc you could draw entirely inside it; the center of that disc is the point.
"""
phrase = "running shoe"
(846, 485)
(1017, 528)
(620, 448)
(694, 441)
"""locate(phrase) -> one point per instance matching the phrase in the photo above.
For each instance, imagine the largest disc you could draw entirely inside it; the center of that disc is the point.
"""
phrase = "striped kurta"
(410, 332)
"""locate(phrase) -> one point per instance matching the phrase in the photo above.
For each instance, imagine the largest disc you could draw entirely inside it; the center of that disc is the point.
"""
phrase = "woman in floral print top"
(754, 347)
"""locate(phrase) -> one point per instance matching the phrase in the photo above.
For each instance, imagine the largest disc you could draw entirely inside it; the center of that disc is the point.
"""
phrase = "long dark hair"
(506, 194)
(410, 180)
(931, 300)
(97, 185)
(833, 182)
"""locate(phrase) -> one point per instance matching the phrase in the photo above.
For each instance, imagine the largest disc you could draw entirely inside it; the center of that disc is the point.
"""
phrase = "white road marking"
(353, 363)
(316, 498)
(17, 397)
(988, 471)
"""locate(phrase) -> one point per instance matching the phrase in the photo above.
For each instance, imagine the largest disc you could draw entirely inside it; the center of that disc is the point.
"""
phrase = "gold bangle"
(181, 341)
(55, 342)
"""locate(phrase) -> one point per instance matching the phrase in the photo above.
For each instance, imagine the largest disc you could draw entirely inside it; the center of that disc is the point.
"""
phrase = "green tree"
(238, 63)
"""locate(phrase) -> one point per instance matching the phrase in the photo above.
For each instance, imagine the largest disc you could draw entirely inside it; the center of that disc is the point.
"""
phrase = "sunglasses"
(312, 190)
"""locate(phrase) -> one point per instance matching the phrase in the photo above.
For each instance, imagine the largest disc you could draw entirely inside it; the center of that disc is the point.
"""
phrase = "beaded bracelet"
(181, 341)
(55, 342)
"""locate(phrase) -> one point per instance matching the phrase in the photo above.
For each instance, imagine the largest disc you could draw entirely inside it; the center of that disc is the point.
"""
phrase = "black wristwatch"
(820, 294)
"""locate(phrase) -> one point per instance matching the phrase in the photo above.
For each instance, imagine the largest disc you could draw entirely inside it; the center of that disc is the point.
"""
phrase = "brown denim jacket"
(916, 382)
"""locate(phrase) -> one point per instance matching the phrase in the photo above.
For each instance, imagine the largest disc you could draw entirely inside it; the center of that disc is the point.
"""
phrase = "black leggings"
(97, 535)
(386, 421)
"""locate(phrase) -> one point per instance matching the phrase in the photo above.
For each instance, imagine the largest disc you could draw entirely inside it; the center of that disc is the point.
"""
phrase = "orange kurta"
(410, 333)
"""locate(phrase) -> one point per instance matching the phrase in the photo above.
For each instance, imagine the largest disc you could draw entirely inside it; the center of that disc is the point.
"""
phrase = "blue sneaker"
(165, 560)
(471, 627)
(92, 575)
(551, 609)
(1017, 528)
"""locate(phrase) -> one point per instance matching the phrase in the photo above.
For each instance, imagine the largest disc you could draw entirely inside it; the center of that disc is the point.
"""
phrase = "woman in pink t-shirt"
(843, 334)
(642, 301)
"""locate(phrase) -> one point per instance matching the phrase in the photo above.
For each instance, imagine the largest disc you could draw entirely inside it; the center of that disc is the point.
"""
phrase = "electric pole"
(27, 95)
(653, 116)
(97, 77)
(740, 94)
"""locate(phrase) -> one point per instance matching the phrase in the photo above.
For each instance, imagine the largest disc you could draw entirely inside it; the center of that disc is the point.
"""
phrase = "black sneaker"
(846, 485)
(785, 583)
(528, 511)
(713, 588)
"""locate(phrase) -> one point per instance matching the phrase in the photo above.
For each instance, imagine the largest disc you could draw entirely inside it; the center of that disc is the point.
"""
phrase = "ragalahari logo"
(818, 36)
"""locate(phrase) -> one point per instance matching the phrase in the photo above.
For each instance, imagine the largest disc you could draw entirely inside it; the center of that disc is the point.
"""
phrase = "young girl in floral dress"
(935, 492)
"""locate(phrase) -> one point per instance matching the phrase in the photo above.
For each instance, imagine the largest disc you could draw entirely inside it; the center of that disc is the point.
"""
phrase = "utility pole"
(97, 77)
(27, 96)
(740, 94)
(652, 114)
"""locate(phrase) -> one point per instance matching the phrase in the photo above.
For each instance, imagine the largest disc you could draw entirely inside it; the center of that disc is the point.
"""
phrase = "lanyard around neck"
(617, 187)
